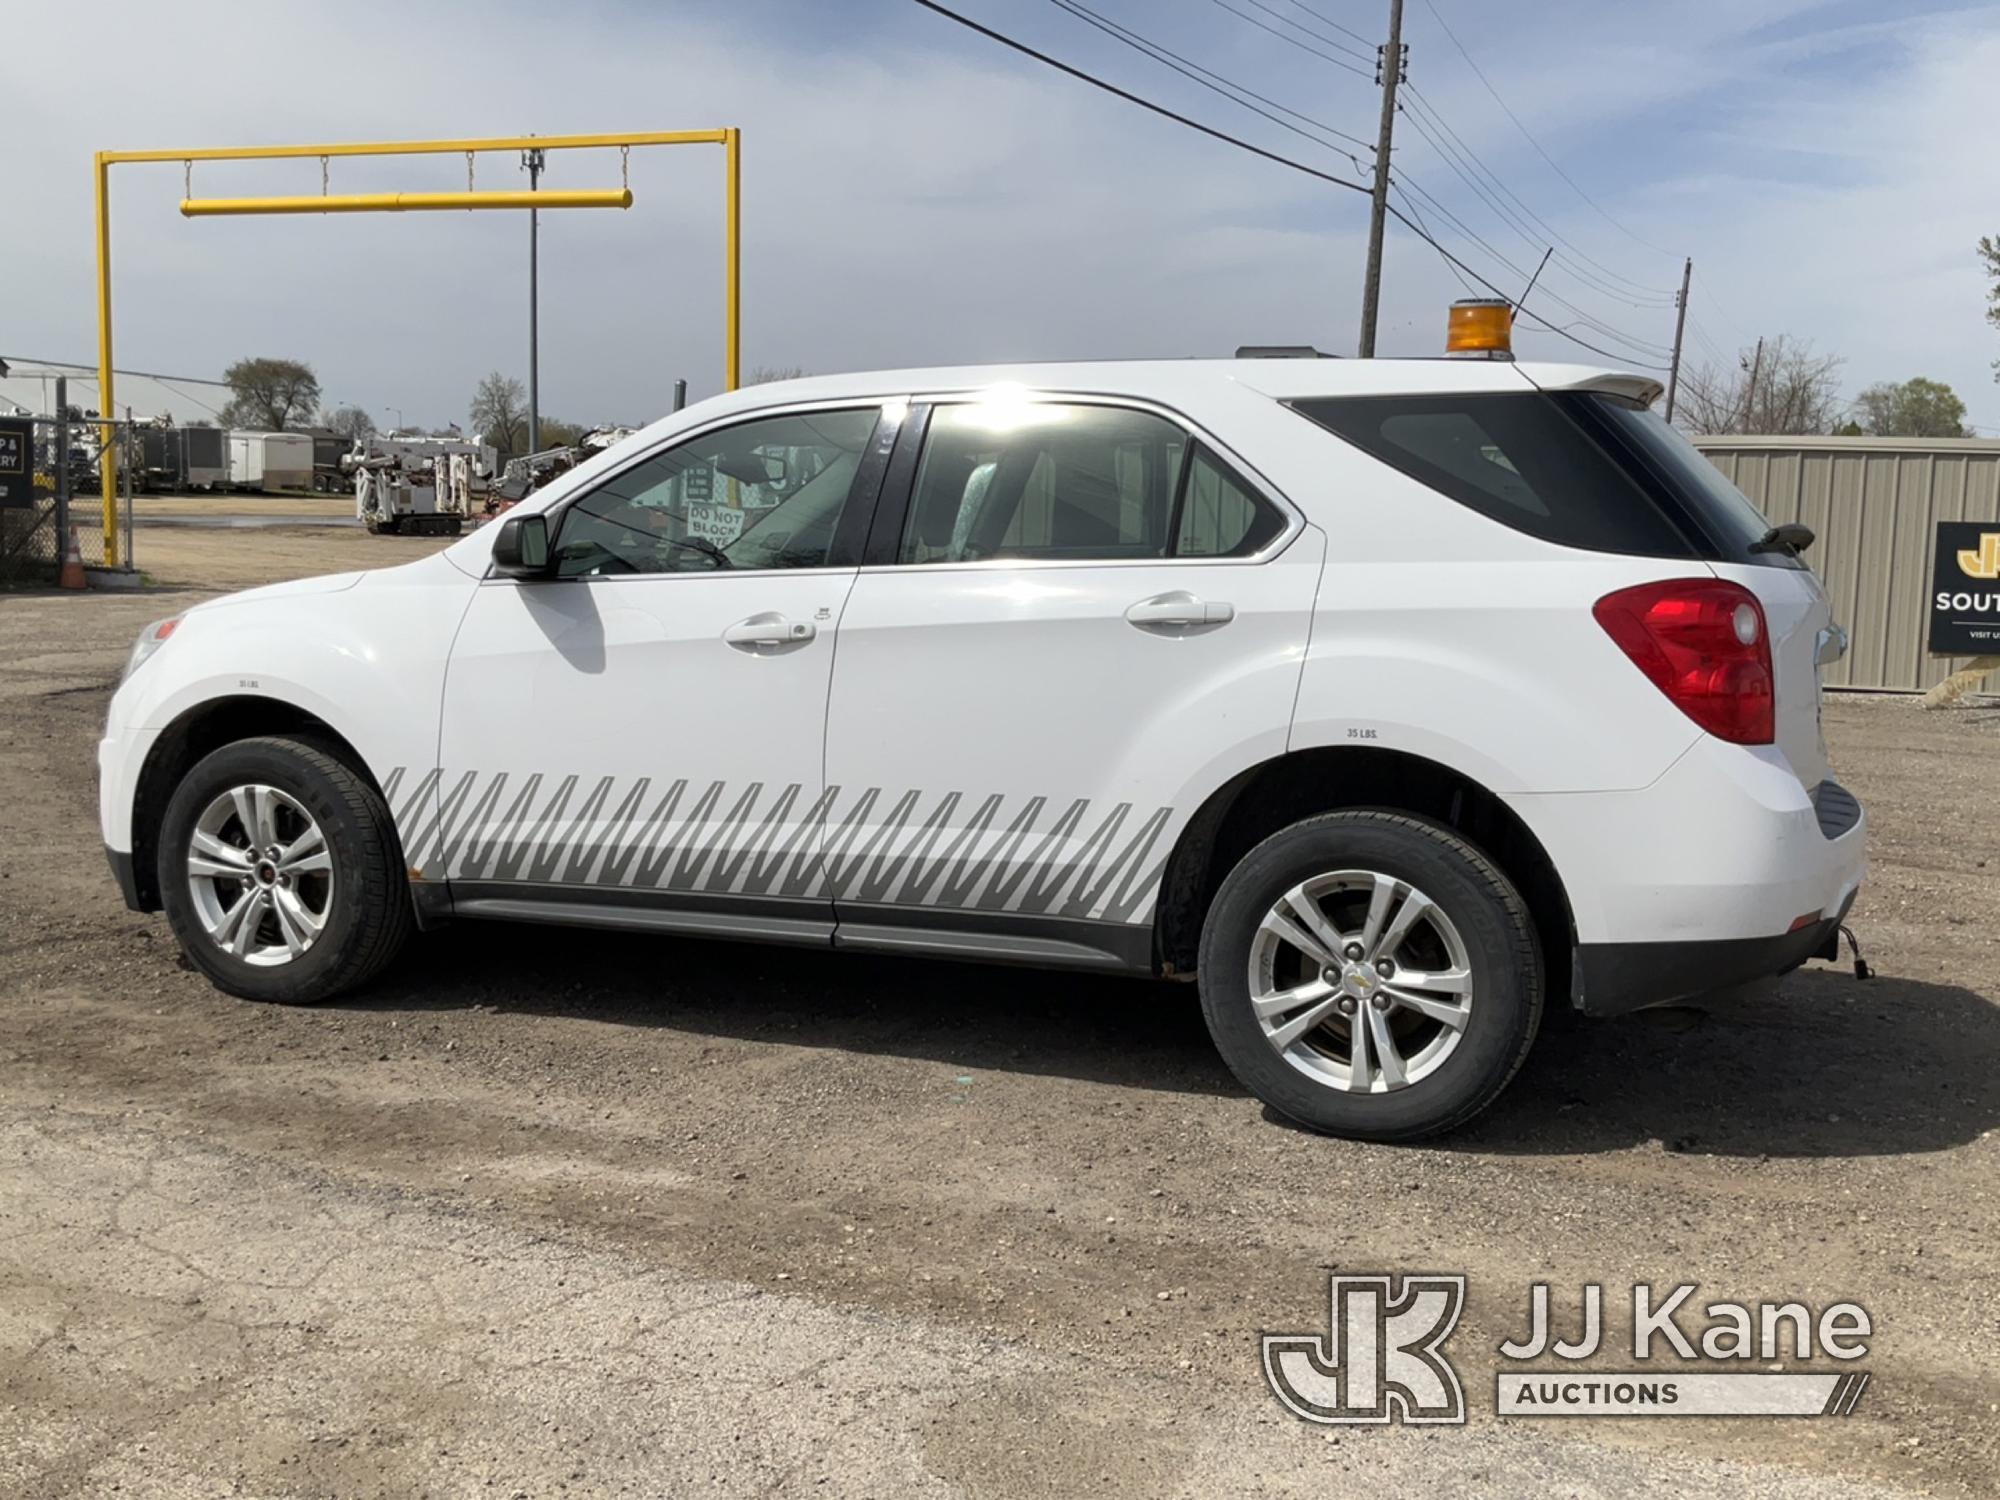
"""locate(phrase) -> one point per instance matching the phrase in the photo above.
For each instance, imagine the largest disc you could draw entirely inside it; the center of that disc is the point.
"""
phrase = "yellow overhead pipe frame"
(731, 141)
(397, 203)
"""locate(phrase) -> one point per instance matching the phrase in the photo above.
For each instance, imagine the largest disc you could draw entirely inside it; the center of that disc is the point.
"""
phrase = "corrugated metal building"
(1872, 503)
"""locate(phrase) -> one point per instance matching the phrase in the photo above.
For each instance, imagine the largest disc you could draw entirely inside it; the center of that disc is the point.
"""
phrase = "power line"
(1499, 209)
(1131, 98)
(1285, 20)
(1521, 309)
(1655, 296)
(1338, 62)
(1220, 85)
(1322, 17)
(1396, 187)
(1409, 184)
(1589, 320)
(1553, 163)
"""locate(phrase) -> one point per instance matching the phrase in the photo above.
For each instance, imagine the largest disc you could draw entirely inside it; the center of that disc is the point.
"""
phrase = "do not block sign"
(1965, 589)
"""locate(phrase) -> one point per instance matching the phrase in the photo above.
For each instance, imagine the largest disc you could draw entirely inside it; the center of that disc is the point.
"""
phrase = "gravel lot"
(577, 1213)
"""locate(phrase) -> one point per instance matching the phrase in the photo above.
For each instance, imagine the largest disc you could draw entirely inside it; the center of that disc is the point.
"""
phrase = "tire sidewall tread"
(1482, 902)
(372, 914)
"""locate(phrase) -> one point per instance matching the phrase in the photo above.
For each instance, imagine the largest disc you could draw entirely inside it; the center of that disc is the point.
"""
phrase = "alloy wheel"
(261, 875)
(1360, 981)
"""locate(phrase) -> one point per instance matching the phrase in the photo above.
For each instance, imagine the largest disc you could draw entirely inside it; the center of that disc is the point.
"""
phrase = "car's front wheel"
(280, 872)
(1371, 975)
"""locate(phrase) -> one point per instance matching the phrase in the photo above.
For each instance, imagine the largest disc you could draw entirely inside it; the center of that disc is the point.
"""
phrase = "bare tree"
(500, 412)
(350, 422)
(765, 374)
(1783, 385)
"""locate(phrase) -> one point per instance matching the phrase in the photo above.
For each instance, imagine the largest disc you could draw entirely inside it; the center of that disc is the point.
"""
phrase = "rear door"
(1075, 616)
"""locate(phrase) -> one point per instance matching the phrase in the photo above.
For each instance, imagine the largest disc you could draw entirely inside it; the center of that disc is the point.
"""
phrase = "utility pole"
(1680, 326)
(1389, 62)
(532, 160)
(1750, 392)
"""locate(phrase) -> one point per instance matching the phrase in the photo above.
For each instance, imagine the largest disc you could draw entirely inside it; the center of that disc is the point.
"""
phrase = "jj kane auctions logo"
(1382, 1357)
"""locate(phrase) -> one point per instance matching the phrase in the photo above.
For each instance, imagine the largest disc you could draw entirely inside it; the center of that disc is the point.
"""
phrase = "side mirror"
(521, 550)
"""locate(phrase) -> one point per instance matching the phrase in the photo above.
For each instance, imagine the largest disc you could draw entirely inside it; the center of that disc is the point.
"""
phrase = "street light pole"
(532, 160)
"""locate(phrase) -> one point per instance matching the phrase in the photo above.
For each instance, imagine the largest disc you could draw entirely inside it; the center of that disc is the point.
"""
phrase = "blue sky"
(915, 194)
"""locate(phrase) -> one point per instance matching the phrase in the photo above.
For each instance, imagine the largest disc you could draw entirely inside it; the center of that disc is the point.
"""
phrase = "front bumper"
(128, 882)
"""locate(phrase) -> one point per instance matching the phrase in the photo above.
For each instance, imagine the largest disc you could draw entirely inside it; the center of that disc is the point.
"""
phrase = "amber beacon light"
(1481, 328)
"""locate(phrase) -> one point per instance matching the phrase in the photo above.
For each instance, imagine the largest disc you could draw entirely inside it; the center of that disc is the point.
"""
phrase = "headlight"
(150, 640)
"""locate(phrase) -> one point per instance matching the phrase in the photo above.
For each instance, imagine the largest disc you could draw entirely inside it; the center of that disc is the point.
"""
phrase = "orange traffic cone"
(71, 576)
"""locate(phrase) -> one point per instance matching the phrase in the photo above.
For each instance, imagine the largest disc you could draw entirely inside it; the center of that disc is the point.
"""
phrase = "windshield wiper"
(705, 547)
(1790, 537)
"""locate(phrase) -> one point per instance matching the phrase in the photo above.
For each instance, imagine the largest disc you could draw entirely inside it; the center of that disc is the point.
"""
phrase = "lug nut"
(1331, 976)
(1347, 1005)
(1354, 950)
(1382, 1002)
(1385, 967)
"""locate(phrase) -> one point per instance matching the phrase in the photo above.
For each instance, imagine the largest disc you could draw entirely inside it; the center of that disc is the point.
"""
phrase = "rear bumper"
(1724, 870)
(1621, 977)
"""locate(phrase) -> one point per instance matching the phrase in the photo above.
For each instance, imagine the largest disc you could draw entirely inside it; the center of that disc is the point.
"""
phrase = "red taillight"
(1704, 644)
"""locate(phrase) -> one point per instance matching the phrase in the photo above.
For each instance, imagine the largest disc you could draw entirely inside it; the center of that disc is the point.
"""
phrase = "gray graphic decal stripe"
(759, 841)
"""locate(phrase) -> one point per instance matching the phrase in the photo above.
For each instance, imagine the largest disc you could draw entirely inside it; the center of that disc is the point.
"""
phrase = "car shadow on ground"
(1823, 1065)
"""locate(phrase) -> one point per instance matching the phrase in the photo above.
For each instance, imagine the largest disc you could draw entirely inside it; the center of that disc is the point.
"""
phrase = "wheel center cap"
(267, 873)
(1359, 980)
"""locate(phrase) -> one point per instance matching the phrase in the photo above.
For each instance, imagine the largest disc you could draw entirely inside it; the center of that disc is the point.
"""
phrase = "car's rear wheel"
(1372, 975)
(280, 872)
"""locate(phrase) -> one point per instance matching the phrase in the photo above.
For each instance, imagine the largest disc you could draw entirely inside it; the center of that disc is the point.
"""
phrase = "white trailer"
(270, 461)
(246, 461)
(288, 461)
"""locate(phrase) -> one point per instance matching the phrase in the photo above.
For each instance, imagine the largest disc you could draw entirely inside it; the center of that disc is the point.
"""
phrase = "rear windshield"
(1581, 469)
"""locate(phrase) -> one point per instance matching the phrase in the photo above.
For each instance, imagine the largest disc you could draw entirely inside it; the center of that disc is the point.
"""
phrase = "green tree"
(270, 395)
(556, 433)
(1916, 408)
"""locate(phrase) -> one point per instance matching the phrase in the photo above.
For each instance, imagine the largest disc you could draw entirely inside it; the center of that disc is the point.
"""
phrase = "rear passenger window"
(1218, 517)
(1521, 460)
(1073, 482)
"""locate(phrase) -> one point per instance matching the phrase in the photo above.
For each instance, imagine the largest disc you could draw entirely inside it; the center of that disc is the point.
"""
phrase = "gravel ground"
(550, 1213)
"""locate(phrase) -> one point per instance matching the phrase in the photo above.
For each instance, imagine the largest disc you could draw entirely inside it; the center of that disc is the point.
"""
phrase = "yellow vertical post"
(107, 460)
(732, 147)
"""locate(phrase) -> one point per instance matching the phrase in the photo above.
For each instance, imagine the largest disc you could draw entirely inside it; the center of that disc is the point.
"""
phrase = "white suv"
(1391, 700)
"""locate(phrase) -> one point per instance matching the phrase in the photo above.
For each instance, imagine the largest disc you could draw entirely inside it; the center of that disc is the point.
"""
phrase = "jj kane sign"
(1382, 1357)
(1965, 589)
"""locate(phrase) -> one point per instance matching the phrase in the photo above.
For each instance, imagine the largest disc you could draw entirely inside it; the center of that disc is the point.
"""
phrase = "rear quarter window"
(1536, 462)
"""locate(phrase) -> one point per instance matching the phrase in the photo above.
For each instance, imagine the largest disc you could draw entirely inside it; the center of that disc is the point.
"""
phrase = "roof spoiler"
(1281, 351)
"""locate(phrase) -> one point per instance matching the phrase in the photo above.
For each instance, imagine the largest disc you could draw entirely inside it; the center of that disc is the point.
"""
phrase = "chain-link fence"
(68, 494)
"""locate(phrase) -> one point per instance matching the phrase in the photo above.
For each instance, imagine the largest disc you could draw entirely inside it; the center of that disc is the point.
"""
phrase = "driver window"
(762, 494)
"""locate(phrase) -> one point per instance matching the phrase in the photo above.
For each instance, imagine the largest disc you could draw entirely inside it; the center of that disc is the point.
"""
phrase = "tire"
(352, 880)
(1459, 1020)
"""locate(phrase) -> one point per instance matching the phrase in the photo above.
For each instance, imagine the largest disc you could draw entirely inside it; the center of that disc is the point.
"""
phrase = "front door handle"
(769, 632)
(1179, 611)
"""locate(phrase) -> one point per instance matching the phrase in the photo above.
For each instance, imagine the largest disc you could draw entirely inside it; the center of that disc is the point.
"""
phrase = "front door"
(1083, 619)
(642, 734)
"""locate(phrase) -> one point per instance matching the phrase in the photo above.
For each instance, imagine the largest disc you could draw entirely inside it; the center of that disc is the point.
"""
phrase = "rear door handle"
(769, 632)
(1179, 610)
